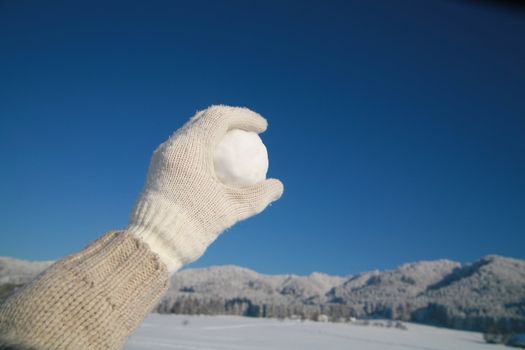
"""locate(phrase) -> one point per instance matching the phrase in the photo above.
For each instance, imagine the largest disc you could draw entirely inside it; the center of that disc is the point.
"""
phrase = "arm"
(96, 298)
(90, 300)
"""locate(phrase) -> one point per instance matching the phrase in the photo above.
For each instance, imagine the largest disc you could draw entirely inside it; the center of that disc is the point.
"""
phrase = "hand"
(184, 207)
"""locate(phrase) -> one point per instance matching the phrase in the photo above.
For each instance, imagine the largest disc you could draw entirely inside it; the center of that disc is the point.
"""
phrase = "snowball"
(241, 159)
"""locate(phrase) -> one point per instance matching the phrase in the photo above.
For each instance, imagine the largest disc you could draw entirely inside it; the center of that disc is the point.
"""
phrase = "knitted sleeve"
(93, 299)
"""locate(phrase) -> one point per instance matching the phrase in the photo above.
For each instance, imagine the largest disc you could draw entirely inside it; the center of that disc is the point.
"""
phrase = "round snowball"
(241, 159)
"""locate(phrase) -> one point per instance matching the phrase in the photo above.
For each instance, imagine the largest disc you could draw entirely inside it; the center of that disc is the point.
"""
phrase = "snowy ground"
(234, 332)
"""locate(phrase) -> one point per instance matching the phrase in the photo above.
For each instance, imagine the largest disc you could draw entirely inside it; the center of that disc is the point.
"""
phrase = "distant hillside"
(17, 271)
(14, 273)
(487, 294)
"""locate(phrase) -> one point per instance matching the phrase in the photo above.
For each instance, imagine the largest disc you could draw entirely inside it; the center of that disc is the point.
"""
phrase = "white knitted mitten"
(184, 207)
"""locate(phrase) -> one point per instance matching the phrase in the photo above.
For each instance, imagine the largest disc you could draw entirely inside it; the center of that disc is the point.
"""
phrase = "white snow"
(236, 332)
(20, 271)
(241, 159)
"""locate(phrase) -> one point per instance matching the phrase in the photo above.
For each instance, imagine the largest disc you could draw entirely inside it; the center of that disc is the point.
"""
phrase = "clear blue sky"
(397, 126)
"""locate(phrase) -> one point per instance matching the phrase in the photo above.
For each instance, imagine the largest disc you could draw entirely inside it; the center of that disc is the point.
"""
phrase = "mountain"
(17, 271)
(392, 293)
(488, 294)
(233, 281)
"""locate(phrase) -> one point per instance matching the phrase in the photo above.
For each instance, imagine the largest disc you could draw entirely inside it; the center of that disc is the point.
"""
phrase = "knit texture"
(93, 299)
(184, 207)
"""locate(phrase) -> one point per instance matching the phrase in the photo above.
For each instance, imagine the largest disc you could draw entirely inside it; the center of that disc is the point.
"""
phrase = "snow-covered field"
(235, 332)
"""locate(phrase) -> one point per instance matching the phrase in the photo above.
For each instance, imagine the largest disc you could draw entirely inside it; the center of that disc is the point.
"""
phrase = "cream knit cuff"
(168, 231)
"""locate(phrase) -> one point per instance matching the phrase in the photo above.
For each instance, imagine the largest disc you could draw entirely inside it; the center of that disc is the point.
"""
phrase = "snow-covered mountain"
(237, 282)
(16, 271)
(487, 294)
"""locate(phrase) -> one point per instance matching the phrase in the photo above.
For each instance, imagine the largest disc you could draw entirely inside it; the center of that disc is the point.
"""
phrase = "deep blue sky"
(397, 127)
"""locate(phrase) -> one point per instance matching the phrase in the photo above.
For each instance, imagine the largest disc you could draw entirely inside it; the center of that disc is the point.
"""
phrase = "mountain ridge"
(486, 294)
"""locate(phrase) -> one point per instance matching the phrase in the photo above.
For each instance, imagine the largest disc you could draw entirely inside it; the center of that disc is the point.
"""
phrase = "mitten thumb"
(254, 199)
